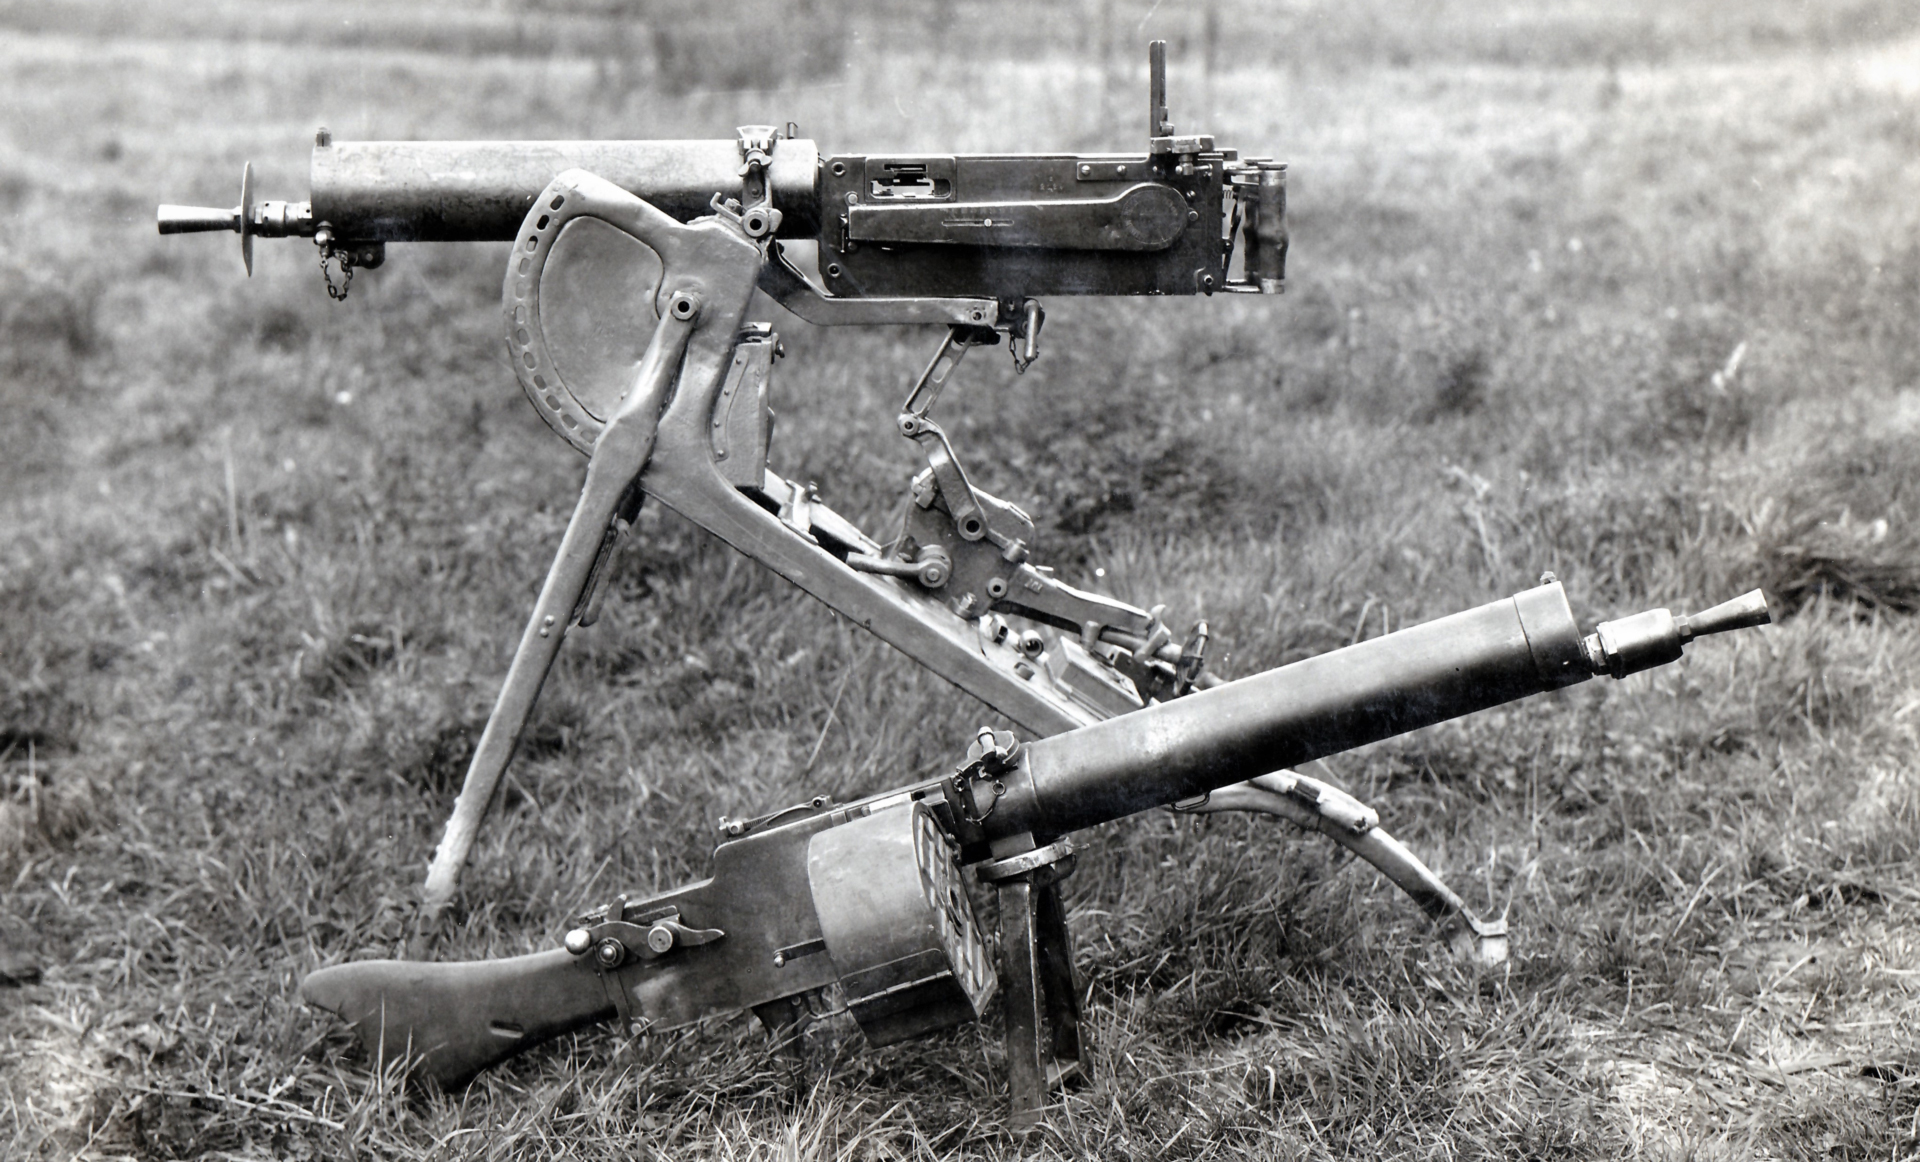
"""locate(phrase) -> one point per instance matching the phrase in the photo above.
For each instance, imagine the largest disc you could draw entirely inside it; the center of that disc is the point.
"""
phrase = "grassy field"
(1628, 291)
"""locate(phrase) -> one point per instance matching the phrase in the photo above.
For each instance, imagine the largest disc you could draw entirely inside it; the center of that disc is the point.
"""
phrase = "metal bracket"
(1042, 998)
(757, 215)
(995, 871)
(786, 285)
(735, 828)
(613, 941)
(992, 754)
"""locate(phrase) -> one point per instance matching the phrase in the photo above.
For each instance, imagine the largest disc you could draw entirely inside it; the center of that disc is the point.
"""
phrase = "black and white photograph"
(960, 579)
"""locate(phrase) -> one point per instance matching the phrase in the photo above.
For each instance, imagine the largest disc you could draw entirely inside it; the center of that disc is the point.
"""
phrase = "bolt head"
(577, 941)
(610, 953)
(660, 938)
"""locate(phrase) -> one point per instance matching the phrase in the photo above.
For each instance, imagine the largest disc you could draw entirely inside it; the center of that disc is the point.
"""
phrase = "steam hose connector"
(1655, 637)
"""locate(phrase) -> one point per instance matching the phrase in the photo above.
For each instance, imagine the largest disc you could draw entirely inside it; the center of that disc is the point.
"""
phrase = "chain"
(337, 294)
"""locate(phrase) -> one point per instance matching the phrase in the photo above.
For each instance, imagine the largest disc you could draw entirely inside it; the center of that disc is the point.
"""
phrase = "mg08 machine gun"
(626, 300)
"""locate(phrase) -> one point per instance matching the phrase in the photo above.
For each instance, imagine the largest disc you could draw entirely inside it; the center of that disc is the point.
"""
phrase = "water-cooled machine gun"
(866, 898)
(633, 269)
(627, 297)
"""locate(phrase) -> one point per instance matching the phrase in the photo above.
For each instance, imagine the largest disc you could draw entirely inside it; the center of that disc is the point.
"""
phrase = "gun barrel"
(1526, 644)
(480, 191)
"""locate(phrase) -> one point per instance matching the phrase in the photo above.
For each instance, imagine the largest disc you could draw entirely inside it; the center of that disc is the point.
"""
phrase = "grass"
(1629, 292)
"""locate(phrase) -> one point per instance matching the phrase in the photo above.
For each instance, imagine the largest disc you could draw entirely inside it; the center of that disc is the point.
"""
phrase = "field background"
(1627, 290)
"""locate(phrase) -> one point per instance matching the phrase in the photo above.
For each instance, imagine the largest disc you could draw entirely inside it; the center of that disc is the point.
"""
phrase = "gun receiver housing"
(1165, 221)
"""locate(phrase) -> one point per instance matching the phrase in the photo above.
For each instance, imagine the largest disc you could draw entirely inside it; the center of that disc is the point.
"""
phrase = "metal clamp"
(995, 870)
(614, 942)
(992, 753)
(757, 215)
(1193, 659)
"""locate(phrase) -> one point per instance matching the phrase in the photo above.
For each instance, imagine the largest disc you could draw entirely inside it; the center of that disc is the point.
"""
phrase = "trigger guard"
(571, 196)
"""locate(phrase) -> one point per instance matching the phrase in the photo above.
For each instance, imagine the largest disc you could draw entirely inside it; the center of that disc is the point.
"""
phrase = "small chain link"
(337, 294)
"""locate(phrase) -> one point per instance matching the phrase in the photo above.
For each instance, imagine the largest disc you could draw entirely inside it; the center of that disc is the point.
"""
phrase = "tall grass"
(1624, 292)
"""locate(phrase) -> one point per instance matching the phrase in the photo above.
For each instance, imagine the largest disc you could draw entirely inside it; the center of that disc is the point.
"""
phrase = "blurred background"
(1626, 291)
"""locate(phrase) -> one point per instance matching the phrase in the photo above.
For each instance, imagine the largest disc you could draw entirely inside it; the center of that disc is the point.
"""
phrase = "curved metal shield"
(598, 290)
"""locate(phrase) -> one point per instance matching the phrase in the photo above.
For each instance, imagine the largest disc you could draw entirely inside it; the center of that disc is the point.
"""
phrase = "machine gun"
(867, 897)
(632, 272)
(626, 299)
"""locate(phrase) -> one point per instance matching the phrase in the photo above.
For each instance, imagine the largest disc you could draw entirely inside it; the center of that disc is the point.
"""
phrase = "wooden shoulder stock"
(455, 1020)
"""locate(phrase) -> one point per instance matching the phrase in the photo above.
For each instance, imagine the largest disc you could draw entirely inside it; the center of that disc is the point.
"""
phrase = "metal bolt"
(577, 941)
(660, 938)
(610, 953)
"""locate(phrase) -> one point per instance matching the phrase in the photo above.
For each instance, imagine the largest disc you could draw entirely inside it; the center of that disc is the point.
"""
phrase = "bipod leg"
(1044, 1047)
(611, 491)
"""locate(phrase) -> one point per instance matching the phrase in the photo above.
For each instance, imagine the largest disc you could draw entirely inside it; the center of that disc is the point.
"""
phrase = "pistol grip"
(455, 1020)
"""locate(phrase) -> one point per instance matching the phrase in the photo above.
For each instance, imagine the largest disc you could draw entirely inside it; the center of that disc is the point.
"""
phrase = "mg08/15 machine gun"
(626, 298)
